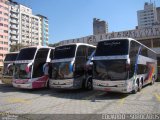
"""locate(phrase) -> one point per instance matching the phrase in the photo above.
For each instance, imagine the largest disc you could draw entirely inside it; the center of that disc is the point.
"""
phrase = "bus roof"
(77, 44)
(12, 53)
(130, 39)
(39, 47)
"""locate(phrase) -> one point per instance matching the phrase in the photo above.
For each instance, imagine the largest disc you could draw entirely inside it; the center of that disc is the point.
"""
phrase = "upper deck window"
(112, 47)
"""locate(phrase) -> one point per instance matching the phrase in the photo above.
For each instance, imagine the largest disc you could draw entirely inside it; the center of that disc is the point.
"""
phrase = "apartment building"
(26, 28)
(44, 33)
(99, 26)
(29, 27)
(148, 16)
(4, 28)
(14, 23)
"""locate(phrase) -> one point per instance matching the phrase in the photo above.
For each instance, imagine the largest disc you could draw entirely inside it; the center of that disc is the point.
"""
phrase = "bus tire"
(153, 80)
(48, 87)
(135, 88)
(140, 85)
(89, 85)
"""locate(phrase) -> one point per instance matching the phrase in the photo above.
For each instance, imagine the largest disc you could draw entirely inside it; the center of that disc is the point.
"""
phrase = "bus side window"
(90, 51)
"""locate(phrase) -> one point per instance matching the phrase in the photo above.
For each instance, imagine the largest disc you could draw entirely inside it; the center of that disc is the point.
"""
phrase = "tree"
(54, 45)
(16, 47)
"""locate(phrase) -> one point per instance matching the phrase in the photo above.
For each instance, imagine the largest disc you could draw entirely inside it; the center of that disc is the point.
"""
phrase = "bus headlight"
(129, 85)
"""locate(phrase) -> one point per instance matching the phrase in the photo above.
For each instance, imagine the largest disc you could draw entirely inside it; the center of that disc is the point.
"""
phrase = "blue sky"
(70, 19)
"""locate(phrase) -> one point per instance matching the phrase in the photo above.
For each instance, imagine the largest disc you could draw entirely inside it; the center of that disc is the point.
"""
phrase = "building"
(44, 33)
(99, 26)
(14, 23)
(148, 16)
(4, 29)
(24, 26)
(29, 27)
(148, 36)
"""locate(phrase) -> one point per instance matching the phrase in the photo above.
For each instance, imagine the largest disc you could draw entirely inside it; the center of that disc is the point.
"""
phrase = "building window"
(146, 42)
(5, 25)
(5, 49)
(5, 31)
(6, 8)
(1, 24)
(156, 43)
(5, 43)
(5, 19)
(6, 37)
(6, 14)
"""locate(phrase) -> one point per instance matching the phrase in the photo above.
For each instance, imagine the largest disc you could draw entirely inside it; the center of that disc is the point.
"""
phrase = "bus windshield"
(62, 70)
(112, 47)
(110, 70)
(11, 57)
(67, 51)
(27, 54)
(20, 71)
(8, 69)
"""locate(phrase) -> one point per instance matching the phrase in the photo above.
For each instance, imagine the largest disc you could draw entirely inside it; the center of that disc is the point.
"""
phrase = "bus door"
(39, 61)
(80, 63)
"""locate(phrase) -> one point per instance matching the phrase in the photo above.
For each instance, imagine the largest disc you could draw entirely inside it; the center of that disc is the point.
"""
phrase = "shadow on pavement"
(79, 94)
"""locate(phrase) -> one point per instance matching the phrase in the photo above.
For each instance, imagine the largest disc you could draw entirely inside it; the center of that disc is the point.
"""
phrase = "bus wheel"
(89, 85)
(135, 88)
(153, 80)
(140, 85)
(48, 84)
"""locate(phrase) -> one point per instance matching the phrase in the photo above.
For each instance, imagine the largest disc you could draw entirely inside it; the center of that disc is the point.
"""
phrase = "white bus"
(8, 67)
(123, 65)
(69, 66)
(29, 72)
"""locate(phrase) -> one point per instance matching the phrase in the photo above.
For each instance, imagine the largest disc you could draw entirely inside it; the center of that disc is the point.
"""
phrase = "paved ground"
(45, 101)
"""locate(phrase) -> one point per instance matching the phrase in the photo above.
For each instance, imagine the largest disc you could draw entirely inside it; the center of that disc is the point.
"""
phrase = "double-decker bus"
(8, 67)
(123, 65)
(69, 66)
(29, 72)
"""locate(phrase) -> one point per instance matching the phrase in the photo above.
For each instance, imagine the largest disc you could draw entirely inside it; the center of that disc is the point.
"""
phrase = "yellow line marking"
(121, 101)
(157, 96)
(18, 100)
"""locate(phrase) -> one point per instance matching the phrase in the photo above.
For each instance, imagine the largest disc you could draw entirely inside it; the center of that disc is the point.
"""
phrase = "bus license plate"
(107, 89)
(58, 86)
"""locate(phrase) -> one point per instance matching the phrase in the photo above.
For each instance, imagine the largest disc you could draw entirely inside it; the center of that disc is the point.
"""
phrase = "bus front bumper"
(22, 83)
(25, 86)
(64, 84)
(112, 86)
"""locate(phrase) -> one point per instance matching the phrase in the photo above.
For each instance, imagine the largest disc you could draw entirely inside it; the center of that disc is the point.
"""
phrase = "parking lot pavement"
(46, 101)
